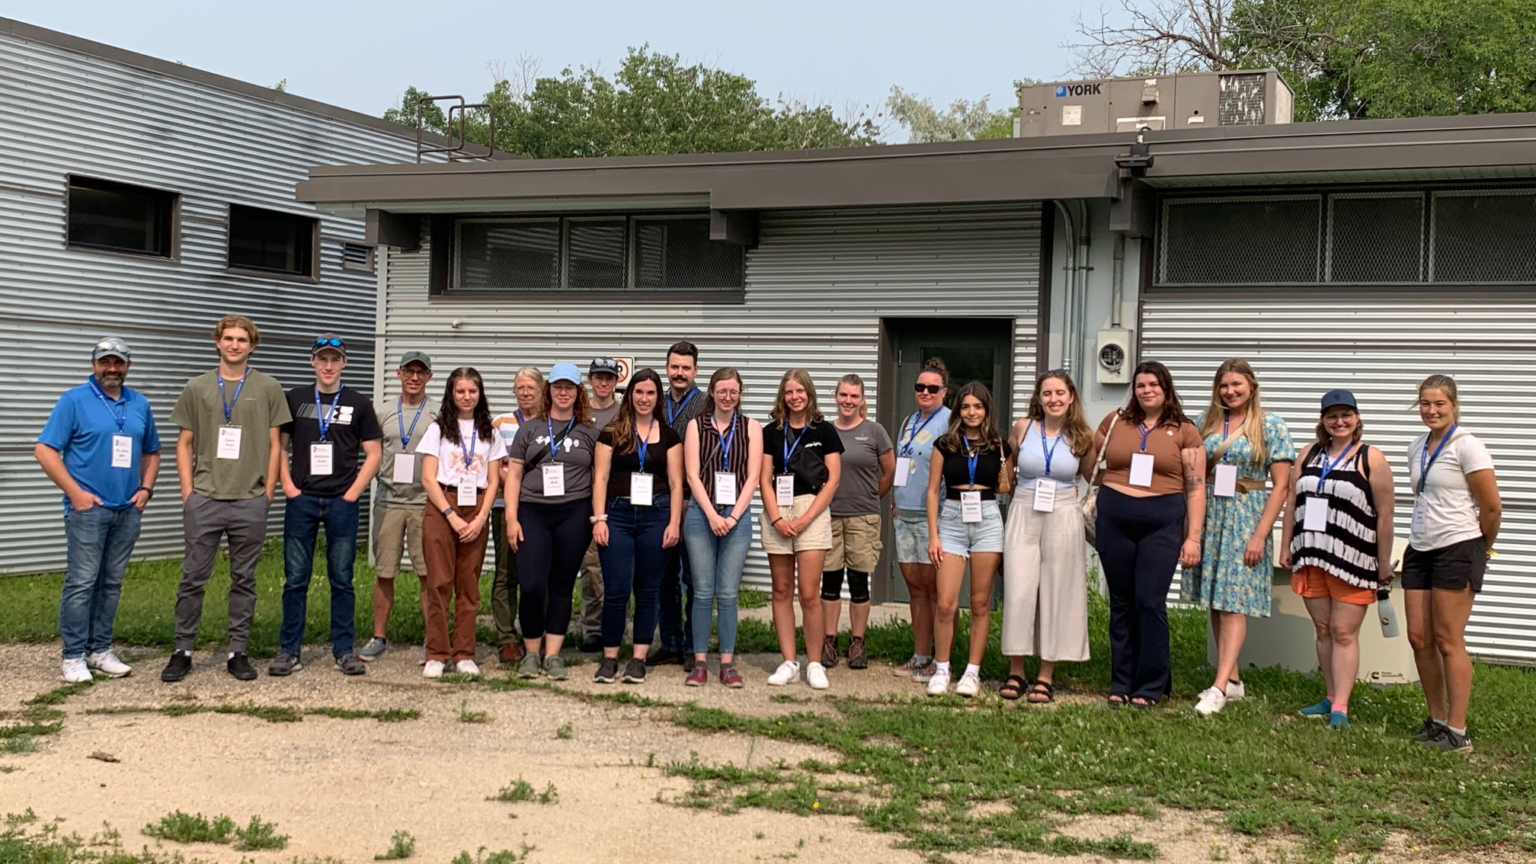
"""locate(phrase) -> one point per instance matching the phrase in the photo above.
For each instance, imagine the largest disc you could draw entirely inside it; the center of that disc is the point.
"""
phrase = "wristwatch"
(148, 492)
(447, 511)
(596, 519)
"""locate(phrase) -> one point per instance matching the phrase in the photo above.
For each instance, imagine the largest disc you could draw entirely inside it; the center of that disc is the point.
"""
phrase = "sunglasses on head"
(331, 342)
(928, 388)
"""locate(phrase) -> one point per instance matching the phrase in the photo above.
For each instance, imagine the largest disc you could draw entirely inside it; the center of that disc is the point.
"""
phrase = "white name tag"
(554, 479)
(1141, 469)
(405, 469)
(784, 490)
(725, 489)
(467, 492)
(320, 459)
(122, 451)
(1317, 515)
(1226, 481)
(1420, 516)
(1045, 495)
(229, 442)
(970, 505)
(640, 488)
(903, 468)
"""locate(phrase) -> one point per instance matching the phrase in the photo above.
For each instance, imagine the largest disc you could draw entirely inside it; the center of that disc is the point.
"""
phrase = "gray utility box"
(1196, 100)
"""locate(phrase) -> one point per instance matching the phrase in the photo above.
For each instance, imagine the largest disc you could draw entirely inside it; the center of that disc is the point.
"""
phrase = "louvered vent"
(357, 256)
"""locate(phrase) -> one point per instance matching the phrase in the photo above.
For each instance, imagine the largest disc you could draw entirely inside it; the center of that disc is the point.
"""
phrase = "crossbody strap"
(1098, 464)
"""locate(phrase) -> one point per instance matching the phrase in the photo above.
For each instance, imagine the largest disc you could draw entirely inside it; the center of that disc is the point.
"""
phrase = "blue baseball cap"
(564, 372)
(1334, 398)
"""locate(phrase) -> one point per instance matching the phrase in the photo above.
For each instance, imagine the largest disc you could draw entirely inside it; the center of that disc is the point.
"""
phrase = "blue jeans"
(677, 597)
(302, 518)
(633, 559)
(716, 563)
(99, 543)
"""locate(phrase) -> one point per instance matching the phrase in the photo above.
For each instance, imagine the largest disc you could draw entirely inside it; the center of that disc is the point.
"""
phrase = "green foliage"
(962, 121)
(564, 732)
(752, 598)
(521, 790)
(468, 716)
(401, 846)
(179, 827)
(504, 856)
(259, 835)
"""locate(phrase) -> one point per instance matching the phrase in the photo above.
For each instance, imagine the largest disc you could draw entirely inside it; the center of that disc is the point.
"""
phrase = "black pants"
(555, 539)
(1138, 543)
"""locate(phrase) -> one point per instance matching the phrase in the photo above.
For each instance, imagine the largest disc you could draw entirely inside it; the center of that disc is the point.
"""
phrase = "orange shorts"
(1315, 582)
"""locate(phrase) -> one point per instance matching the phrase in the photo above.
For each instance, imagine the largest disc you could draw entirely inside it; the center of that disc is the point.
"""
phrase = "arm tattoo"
(1191, 480)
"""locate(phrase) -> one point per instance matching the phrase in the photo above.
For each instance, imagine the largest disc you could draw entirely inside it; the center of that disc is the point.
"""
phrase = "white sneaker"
(1211, 701)
(787, 673)
(432, 669)
(107, 664)
(76, 671)
(970, 684)
(816, 676)
(466, 667)
(1236, 692)
(938, 683)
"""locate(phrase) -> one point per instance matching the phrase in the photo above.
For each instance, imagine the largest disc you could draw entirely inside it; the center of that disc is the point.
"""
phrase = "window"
(1484, 237)
(677, 253)
(597, 257)
(523, 254)
(272, 241)
(1239, 241)
(357, 257)
(1376, 237)
(120, 218)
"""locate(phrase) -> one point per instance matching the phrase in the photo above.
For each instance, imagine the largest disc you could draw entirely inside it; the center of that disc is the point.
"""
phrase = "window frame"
(313, 270)
(170, 232)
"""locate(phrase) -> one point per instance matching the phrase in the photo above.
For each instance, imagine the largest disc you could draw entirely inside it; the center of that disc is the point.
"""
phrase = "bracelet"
(596, 519)
(148, 492)
(777, 521)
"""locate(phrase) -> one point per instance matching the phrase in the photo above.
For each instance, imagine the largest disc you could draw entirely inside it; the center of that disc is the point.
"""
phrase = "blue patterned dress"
(1221, 580)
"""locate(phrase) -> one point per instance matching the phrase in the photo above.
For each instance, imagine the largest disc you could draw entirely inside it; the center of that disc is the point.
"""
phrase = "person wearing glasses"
(909, 509)
(528, 388)
(399, 504)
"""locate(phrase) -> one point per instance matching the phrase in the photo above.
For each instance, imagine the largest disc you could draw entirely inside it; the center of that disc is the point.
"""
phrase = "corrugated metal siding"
(817, 285)
(1380, 348)
(66, 113)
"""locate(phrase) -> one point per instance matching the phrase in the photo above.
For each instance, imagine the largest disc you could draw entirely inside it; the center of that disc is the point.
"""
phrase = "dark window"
(1485, 237)
(1376, 238)
(1241, 241)
(496, 255)
(357, 257)
(677, 253)
(121, 218)
(268, 240)
(597, 257)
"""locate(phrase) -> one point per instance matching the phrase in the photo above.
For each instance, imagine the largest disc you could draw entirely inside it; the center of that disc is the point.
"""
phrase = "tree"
(653, 104)
(963, 121)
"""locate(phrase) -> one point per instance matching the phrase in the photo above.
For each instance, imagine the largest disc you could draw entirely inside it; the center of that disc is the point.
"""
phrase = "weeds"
(401, 846)
(269, 713)
(521, 790)
(179, 827)
(57, 695)
(468, 716)
(505, 856)
(259, 835)
(564, 732)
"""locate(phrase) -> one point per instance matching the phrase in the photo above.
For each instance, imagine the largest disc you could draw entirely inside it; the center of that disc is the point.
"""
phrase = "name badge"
(320, 459)
(554, 479)
(467, 492)
(903, 468)
(725, 489)
(229, 442)
(1226, 481)
(405, 469)
(640, 486)
(1317, 515)
(122, 451)
(970, 505)
(1420, 516)
(1045, 495)
(1141, 469)
(784, 490)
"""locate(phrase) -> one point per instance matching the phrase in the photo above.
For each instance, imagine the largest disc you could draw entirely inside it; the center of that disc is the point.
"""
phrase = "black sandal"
(1118, 700)
(1042, 688)
(1145, 704)
(1014, 685)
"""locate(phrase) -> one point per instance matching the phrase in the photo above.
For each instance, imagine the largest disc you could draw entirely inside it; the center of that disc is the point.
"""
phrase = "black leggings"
(555, 539)
(1138, 542)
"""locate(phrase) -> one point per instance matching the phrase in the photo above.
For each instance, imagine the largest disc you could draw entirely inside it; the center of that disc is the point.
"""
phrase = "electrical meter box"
(1114, 356)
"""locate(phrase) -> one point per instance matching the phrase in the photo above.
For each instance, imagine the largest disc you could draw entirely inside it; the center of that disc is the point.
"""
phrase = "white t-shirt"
(1450, 513)
(451, 470)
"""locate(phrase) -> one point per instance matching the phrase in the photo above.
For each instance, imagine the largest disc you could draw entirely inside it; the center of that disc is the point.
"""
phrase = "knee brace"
(858, 586)
(832, 585)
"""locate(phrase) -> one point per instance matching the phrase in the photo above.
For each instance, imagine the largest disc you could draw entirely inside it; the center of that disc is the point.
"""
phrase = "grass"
(269, 713)
(401, 846)
(505, 856)
(521, 790)
(468, 716)
(258, 836)
(180, 827)
(24, 841)
(564, 732)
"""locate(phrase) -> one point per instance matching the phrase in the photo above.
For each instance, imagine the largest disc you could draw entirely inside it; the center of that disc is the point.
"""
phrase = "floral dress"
(1221, 580)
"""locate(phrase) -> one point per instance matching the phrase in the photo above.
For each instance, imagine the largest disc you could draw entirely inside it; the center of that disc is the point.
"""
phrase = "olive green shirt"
(394, 421)
(261, 407)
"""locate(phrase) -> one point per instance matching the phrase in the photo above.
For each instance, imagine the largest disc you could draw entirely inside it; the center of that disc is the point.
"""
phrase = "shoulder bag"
(1090, 502)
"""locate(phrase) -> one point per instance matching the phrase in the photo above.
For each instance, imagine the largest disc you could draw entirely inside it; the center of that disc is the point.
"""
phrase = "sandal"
(1042, 688)
(1144, 703)
(1118, 700)
(1013, 687)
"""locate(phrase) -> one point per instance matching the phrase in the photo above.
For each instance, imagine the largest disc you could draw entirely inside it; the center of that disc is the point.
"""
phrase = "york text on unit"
(1077, 90)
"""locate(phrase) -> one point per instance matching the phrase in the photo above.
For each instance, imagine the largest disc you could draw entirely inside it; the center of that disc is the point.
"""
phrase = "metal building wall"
(817, 285)
(69, 113)
(1380, 348)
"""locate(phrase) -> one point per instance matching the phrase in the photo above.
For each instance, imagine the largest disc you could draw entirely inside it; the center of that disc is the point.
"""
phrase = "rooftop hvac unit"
(1195, 100)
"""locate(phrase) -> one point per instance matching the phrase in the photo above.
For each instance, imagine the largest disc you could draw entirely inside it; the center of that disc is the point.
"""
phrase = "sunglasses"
(928, 388)
(331, 342)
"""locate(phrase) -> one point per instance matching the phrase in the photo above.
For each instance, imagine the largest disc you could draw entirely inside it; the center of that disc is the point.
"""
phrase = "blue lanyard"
(468, 446)
(554, 445)
(100, 394)
(1426, 460)
(725, 442)
(405, 437)
(1145, 432)
(519, 414)
(911, 433)
(325, 424)
(681, 407)
(1328, 466)
(229, 405)
(971, 456)
(789, 449)
(1048, 453)
(645, 442)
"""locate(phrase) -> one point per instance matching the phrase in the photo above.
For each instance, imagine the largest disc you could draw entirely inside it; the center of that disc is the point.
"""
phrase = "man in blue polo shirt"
(100, 447)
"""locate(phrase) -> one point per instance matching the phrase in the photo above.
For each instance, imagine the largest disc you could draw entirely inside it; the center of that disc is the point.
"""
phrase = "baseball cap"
(564, 372)
(410, 357)
(111, 346)
(1335, 398)
(604, 364)
(329, 341)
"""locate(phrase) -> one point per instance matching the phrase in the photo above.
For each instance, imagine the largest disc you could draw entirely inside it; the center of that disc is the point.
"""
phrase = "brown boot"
(511, 653)
(829, 651)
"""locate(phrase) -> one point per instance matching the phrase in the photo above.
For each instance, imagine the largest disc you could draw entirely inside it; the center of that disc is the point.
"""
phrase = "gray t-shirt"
(601, 417)
(577, 449)
(858, 492)
(403, 430)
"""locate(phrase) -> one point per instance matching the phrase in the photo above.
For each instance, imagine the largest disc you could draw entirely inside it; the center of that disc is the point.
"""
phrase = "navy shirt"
(81, 428)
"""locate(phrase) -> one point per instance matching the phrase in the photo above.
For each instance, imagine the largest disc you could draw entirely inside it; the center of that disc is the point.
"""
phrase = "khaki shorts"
(817, 535)
(396, 529)
(855, 543)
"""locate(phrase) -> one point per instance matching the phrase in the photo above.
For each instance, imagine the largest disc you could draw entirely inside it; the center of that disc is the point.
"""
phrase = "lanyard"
(100, 394)
(325, 424)
(1426, 459)
(971, 457)
(519, 414)
(645, 442)
(554, 446)
(405, 437)
(789, 449)
(228, 404)
(911, 433)
(681, 406)
(467, 444)
(1048, 453)
(1145, 432)
(1328, 466)
(725, 442)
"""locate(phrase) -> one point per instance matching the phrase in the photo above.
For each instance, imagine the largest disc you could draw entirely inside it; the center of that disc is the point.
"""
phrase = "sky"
(362, 56)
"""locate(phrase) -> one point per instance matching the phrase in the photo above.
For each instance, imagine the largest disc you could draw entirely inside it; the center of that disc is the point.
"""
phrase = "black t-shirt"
(355, 423)
(625, 464)
(957, 471)
(807, 461)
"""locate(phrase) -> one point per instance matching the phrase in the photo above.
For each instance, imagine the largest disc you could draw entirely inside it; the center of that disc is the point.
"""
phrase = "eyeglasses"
(928, 388)
(416, 373)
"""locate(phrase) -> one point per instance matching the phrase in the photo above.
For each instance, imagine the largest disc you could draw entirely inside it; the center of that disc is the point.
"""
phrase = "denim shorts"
(963, 538)
(911, 537)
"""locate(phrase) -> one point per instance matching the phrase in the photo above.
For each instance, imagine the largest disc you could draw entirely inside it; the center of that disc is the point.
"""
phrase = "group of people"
(647, 498)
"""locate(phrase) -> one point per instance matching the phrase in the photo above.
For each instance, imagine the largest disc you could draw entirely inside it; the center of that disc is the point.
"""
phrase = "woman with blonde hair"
(1245, 450)
(868, 469)
(528, 387)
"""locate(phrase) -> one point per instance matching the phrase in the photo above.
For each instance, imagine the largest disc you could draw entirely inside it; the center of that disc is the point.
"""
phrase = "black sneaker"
(664, 657)
(591, 643)
(240, 667)
(1429, 730)
(1449, 741)
(178, 668)
(688, 663)
(350, 664)
(634, 672)
(607, 670)
(282, 665)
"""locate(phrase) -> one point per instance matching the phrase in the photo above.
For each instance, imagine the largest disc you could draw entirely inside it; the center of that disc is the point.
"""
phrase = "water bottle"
(1388, 613)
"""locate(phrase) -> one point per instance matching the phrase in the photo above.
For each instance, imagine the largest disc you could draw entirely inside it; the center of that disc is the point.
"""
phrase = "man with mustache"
(683, 403)
(101, 448)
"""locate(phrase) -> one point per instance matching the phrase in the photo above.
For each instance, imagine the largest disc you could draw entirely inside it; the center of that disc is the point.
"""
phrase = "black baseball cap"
(329, 342)
(1335, 398)
(604, 365)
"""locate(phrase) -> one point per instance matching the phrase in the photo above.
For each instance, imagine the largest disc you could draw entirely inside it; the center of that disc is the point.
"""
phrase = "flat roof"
(1011, 169)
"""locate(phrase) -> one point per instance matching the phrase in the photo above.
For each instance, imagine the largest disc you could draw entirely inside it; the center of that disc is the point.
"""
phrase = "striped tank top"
(711, 443)
(1347, 549)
